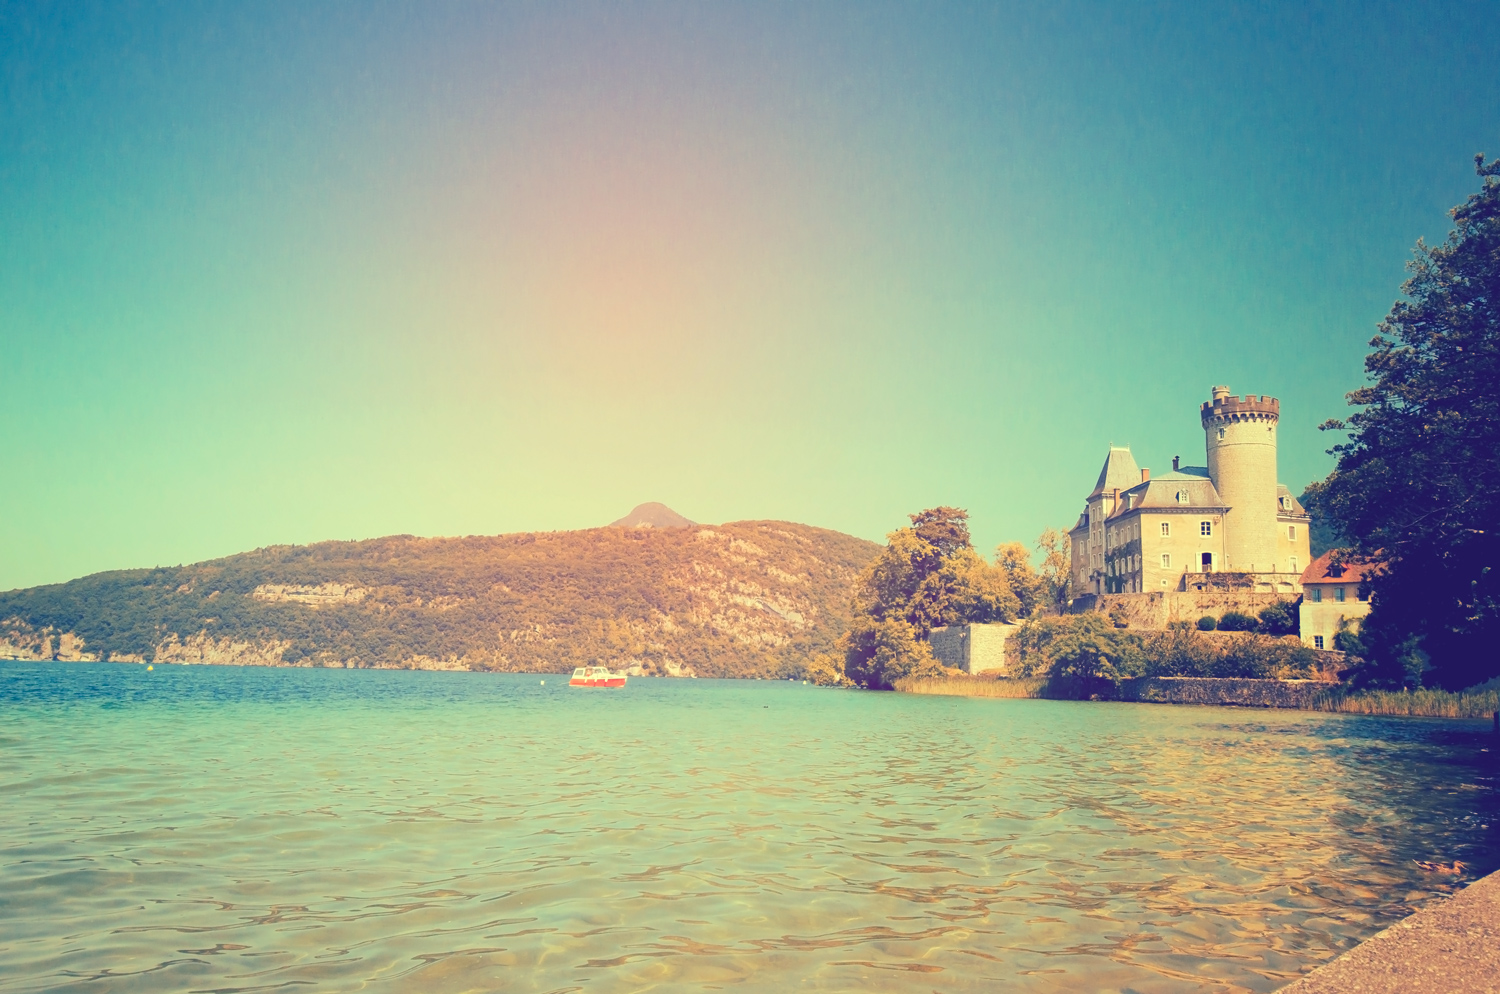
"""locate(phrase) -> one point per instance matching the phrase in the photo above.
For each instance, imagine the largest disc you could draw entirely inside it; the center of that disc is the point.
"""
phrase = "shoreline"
(1452, 945)
(1292, 695)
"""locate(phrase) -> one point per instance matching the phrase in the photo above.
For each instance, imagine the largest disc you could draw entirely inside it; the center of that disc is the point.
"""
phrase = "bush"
(1207, 623)
(1082, 646)
(1180, 652)
(1087, 647)
(1262, 658)
(1281, 618)
(1237, 621)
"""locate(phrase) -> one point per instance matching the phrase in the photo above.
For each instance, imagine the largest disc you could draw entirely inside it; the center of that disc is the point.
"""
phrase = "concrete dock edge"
(1451, 947)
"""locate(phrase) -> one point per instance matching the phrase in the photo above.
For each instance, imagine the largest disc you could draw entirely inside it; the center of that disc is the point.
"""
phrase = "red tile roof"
(1318, 571)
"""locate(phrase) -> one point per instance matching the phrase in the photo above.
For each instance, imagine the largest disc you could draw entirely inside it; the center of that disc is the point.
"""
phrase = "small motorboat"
(596, 676)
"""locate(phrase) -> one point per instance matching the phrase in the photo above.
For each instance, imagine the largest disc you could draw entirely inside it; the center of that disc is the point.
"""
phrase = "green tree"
(1417, 483)
(1031, 589)
(1057, 567)
(1093, 649)
(927, 576)
(880, 652)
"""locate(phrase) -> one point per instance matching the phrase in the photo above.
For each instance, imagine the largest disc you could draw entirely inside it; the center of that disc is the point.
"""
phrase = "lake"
(239, 829)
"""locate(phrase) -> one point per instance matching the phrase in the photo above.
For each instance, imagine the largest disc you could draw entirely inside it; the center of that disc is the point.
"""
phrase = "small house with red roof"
(1331, 597)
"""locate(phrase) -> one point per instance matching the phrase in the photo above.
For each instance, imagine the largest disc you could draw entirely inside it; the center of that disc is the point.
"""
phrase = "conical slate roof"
(1119, 472)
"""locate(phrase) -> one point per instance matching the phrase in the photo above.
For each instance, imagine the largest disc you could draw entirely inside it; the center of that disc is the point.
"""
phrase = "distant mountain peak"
(652, 515)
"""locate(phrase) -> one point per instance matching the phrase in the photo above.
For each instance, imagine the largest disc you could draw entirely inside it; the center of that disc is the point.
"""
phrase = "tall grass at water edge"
(973, 686)
(1472, 703)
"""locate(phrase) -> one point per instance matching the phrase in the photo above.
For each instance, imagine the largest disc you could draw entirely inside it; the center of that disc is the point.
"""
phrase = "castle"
(1225, 526)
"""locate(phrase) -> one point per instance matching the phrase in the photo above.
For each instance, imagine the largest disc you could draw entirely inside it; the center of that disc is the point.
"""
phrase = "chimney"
(1145, 475)
(1174, 463)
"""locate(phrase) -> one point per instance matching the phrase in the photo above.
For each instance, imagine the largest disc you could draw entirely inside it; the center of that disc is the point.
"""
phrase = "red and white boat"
(596, 676)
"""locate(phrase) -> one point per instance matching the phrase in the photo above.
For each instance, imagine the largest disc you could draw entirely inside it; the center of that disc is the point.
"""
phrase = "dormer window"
(1182, 496)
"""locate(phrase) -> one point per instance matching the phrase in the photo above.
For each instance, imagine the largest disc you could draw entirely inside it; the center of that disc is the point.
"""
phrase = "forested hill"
(751, 598)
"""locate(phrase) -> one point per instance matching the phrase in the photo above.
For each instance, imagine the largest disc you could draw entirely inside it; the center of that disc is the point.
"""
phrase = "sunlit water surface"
(225, 829)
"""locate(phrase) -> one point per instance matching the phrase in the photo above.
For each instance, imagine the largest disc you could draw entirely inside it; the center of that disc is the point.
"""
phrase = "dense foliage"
(1417, 484)
(1281, 618)
(926, 577)
(743, 599)
(1089, 647)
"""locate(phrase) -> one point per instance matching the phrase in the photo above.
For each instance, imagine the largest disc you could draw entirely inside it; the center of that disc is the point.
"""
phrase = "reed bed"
(1472, 703)
(972, 686)
(1413, 703)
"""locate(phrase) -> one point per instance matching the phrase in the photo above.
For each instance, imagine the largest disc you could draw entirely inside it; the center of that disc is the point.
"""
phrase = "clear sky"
(283, 273)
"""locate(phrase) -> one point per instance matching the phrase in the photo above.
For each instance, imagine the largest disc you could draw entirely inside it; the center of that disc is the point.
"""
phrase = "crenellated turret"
(1240, 436)
(1227, 409)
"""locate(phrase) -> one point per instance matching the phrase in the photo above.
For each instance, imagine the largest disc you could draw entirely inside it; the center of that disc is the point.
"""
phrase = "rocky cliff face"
(742, 599)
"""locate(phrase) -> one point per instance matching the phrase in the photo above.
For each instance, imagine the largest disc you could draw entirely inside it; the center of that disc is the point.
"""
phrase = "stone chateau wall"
(1159, 608)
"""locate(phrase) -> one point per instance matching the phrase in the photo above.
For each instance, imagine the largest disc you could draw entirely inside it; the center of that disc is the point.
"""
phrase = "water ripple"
(205, 829)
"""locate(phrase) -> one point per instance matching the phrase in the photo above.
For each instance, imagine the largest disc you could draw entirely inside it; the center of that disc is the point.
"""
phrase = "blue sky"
(284, 273)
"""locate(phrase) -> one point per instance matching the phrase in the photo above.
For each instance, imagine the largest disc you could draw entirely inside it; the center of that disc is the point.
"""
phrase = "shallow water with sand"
(236, 829)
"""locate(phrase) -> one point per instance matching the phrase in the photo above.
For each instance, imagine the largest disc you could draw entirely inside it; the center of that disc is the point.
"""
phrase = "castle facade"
(1227, 525)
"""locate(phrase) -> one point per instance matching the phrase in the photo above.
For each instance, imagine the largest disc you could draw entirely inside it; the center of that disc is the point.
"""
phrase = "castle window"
(1166, 529)
(1317, 641)
(1205, 528)
(1182, 497)
(1338, 594)
(1294, 565)
(1291, 532)
(1221, 432)
(1315, 594)
(1166, 561)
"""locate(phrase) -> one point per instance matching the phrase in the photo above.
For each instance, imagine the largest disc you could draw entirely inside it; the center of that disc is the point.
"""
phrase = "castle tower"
(1240, 434)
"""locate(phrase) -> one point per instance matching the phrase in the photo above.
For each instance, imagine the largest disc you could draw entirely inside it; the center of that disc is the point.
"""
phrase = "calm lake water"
(227, 829)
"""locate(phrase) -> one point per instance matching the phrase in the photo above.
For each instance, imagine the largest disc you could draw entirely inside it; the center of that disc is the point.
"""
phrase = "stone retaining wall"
(1158, 609)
